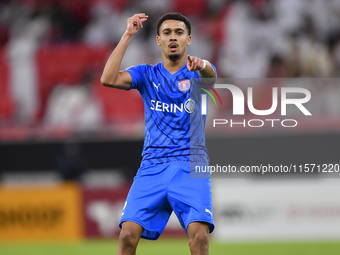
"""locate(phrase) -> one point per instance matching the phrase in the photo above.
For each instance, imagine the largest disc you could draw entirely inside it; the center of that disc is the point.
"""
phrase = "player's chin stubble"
(174, 57)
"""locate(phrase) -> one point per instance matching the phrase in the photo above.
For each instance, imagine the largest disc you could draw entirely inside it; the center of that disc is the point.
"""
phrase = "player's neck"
(174, 66)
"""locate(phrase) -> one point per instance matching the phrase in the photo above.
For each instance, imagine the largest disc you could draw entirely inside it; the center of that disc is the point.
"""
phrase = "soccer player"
(170, 152)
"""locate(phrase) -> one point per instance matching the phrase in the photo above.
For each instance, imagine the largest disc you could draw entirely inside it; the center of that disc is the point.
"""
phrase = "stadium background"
(69, 147)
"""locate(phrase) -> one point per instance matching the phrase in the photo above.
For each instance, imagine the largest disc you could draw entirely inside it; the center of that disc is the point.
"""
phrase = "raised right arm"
(111, 76)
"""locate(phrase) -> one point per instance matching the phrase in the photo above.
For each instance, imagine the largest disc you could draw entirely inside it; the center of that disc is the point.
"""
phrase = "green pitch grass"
(173, 247)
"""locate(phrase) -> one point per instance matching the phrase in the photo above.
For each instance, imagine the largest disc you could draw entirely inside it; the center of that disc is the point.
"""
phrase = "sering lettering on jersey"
(164, 107)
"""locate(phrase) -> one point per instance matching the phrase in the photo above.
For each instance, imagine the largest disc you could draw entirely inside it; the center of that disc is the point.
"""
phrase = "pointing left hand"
(194, 63)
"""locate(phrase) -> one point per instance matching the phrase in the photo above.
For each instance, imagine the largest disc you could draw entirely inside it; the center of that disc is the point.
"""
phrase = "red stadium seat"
(191, 7)
(120, 105)
(6, 107)
(6, 103)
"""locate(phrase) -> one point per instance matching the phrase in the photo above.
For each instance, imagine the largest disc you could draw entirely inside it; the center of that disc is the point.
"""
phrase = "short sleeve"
(137, 73)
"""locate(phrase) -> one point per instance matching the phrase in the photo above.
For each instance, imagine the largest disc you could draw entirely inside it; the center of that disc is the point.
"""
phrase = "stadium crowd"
(243, 38)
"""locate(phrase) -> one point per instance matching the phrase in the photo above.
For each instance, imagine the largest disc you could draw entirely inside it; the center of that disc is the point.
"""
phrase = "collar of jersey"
(164, 70)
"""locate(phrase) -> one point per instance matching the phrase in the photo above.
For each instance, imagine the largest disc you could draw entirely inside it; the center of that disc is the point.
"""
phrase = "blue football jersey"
(174, 125)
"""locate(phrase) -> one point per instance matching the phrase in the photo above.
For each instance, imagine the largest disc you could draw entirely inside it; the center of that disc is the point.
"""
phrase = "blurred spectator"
(106, 25)
(315, 58)
(26, 33)
(292, 57)
(74, 106)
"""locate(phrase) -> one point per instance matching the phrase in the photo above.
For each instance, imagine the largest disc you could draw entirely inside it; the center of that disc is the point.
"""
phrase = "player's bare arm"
(205, 70)
(111, 76)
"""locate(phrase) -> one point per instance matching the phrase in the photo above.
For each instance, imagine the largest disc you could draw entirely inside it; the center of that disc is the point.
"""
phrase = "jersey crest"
(184, 85)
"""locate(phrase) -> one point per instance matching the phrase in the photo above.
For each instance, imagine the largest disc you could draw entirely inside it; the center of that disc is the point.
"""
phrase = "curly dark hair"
(174, 16)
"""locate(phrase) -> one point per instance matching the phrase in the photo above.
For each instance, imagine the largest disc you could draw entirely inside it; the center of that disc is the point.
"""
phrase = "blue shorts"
(159, 189)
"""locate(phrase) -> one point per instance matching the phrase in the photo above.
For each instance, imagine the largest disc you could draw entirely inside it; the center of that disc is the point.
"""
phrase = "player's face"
(174, 39)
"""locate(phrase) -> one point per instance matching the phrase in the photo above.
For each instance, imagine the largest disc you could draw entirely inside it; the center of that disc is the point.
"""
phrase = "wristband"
(204, 65)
